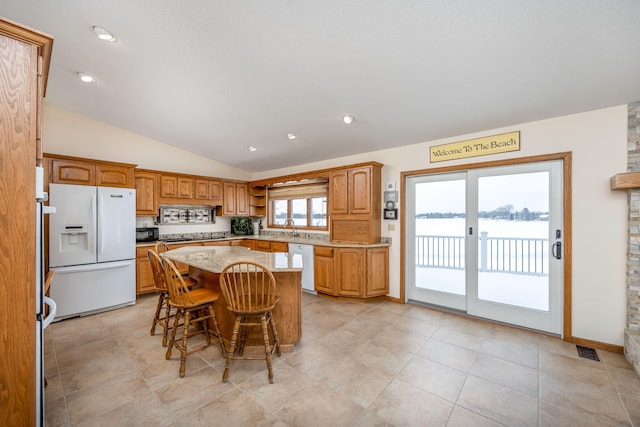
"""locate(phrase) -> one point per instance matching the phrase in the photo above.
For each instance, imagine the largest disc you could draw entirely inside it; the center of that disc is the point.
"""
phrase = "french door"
(488, 242)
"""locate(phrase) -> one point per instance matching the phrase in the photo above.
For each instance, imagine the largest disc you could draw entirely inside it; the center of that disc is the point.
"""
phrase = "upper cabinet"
(355, 203)
(235, 199)
(80, 171)
(146, 194)
(257, 201)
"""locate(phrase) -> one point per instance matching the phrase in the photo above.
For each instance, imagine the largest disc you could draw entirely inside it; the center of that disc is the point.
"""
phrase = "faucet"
(289, 221)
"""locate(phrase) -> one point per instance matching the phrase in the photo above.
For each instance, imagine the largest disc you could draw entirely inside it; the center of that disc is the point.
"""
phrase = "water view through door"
(487, 242)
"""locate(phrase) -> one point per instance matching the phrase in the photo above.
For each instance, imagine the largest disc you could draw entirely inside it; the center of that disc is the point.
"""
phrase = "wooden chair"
(161, 247)
(192, 306)
(160, 283)
(250, 292)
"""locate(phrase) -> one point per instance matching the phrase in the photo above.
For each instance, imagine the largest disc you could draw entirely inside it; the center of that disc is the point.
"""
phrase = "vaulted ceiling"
(216, 76)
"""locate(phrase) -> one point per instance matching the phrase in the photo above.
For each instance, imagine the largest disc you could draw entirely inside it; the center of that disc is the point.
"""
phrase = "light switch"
(391, 227)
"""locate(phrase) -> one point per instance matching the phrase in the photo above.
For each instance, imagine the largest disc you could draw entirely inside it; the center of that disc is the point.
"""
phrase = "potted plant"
(241, 226)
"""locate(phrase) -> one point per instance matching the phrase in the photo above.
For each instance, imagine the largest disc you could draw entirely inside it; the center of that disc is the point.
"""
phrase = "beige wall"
(76, 135)
(597, 140)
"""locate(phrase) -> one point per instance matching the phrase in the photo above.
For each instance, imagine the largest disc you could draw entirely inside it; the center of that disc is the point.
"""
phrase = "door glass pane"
(513, 225)
(440, 236)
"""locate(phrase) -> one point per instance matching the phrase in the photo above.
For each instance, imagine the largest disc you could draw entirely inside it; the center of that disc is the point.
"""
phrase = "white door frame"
(566, 158)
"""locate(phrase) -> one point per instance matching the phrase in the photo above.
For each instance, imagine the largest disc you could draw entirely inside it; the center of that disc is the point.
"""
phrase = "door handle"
(556, 250)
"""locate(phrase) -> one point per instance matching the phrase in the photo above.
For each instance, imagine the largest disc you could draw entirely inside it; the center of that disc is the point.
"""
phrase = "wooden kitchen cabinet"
(350, 275)
(324, 281)
(355, 204)
(270, 246)
(24, 61)
(185, 187)
(215, 192)
(235, 199)
(146, 194)
(79, 171)
(201, 189)
(144, 274)
(358, 273)
(72, 172)
(257, 201)
(168, 186)
(247, 243)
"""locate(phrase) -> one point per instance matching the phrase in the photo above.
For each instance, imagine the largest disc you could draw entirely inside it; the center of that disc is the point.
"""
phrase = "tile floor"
(377, 364)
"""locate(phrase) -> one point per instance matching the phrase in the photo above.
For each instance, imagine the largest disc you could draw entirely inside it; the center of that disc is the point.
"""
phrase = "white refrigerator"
(92, 248)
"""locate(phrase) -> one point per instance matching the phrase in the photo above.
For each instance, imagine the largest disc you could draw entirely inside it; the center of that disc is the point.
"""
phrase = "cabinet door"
(215, 192)
(338, 200)
(168, 186)
(146, 195)
(263, 245)
(73, 172)
(144, 275)
(229, 203)
(359, 188)
(185, 188)
(279, 247)
(377, 272)
(350, 271)
(323, 270)
(202, 189)
(242, 200)
(114, 176)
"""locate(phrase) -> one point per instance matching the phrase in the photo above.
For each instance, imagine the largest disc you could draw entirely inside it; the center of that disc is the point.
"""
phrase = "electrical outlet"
(391, 227)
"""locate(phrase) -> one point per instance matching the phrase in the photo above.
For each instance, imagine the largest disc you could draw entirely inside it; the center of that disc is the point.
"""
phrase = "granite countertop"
(276, 238)
(215, 258)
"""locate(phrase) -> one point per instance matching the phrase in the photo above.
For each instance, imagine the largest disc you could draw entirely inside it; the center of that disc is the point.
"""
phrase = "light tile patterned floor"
(377, 364)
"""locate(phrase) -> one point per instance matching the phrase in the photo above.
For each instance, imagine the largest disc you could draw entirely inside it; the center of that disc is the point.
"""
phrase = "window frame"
(271, 221)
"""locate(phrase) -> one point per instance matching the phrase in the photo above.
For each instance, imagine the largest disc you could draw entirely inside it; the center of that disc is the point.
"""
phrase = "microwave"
(147, 234)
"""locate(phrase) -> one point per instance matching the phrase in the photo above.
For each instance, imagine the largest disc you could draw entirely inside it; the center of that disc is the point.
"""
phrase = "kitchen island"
(207, 262)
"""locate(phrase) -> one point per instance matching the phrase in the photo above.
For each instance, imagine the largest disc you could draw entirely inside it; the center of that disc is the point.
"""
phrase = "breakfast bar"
(206, 264)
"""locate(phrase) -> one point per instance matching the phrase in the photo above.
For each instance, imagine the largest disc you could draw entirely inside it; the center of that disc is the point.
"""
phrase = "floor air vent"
(587, 353)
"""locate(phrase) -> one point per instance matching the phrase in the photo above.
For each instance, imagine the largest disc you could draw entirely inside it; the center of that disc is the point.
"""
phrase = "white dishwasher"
(307, 265)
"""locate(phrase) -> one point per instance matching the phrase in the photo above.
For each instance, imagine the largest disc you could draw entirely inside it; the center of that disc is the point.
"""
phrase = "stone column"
(632, 332)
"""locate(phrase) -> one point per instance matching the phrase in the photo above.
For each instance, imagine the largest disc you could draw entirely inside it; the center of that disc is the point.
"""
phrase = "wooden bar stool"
(160, 283)
(250, 291)
(161, 247)
(192, 306)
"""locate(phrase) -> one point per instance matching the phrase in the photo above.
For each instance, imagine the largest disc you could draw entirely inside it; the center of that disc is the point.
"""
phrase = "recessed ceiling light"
(292, 136)
(252, 148)
(348, 119)
(104, 34)
(86, 78)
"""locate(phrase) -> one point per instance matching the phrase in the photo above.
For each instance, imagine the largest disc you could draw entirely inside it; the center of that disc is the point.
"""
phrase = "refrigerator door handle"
(94, 224)
(53, 308)
(100, 224)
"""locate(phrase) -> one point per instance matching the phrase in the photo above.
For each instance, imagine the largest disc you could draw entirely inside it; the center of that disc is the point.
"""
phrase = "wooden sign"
(476, 147)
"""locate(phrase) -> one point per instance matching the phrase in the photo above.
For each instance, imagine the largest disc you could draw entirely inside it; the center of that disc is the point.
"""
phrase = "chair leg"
(167, 320)
(156, 317)
(216, 329)
(232, 348)
(276, 340)
(185, 335)
(172, 340)
(267, 347)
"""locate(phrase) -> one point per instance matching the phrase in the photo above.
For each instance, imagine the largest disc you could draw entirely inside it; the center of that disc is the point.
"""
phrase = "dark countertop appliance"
(147, 234)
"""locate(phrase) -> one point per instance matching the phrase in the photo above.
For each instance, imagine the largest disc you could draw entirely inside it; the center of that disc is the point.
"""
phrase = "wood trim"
(566, 157)
(23, 33)
(94, 161)
(625, 181)
(320, 173)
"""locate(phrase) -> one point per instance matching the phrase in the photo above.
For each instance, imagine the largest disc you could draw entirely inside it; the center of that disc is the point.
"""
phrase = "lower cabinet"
(144, 275)
(351, 272)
